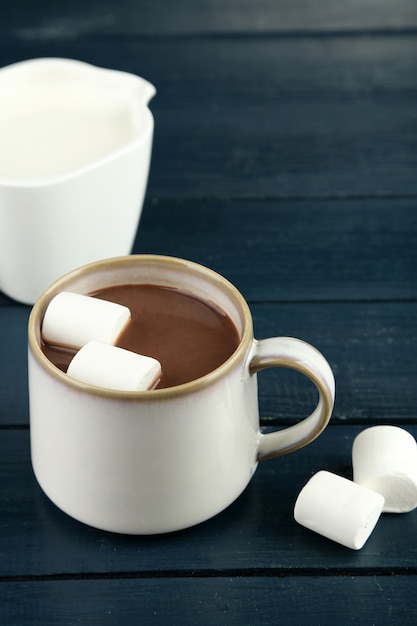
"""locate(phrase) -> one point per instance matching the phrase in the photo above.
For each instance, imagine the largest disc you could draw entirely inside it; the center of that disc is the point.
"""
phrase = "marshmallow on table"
(338, 509)
(72, 320)
(105, 365)
(384, 459)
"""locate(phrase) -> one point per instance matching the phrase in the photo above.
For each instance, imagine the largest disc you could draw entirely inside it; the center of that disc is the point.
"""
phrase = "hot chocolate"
(189, 336)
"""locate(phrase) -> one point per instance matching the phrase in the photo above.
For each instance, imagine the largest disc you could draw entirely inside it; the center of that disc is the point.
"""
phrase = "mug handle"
(302, 357)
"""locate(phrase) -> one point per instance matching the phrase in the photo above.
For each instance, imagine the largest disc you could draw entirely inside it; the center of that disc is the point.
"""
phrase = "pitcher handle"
(302, 357)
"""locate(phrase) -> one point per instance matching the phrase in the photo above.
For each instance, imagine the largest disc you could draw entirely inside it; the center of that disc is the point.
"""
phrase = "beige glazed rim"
(132, 264)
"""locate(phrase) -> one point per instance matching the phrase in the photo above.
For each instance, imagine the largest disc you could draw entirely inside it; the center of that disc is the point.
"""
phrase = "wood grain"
(270, 117)
(370, 346)
(225, 601)
(283, 251)
(284, 158)
(207, 17)
(257, 533)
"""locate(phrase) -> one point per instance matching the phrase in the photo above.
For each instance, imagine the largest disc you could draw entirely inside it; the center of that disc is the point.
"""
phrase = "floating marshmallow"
(338, 509)
(104, 365)
(72, 320)
(384, 459)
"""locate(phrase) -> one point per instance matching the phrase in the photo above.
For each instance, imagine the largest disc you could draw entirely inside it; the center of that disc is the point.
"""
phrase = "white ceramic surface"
(158, 461)
(75, 152)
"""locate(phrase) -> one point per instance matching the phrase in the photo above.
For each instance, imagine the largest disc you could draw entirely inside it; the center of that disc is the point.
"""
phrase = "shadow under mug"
(162, 460)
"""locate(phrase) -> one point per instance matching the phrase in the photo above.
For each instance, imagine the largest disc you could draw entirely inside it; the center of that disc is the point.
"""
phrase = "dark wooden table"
(285, 158)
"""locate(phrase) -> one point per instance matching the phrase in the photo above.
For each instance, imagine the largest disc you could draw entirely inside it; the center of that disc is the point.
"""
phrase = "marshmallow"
(104, 365)
(338, 509)
(384, 459)
(72, 320)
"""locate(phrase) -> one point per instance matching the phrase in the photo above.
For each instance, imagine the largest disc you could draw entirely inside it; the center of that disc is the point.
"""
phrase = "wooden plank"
(13, 363)
(308, 270)
(281, 251)
(305, 251)
(270, 117)
(377, 600)
(272, 102)
(207, 17)
(286, 118)
(255, 533)
(370, 346)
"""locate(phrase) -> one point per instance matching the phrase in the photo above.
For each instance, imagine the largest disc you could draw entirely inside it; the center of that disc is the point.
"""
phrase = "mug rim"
(39, 308)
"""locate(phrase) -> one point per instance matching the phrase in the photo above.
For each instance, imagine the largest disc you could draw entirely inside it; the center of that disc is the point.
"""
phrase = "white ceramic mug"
(75, 151)
(161, 460)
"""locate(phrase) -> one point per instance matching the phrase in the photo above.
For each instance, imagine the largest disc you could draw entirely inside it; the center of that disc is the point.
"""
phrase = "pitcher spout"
(148, 91)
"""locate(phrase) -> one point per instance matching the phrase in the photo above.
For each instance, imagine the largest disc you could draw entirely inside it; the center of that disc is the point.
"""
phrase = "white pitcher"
(75, 150)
